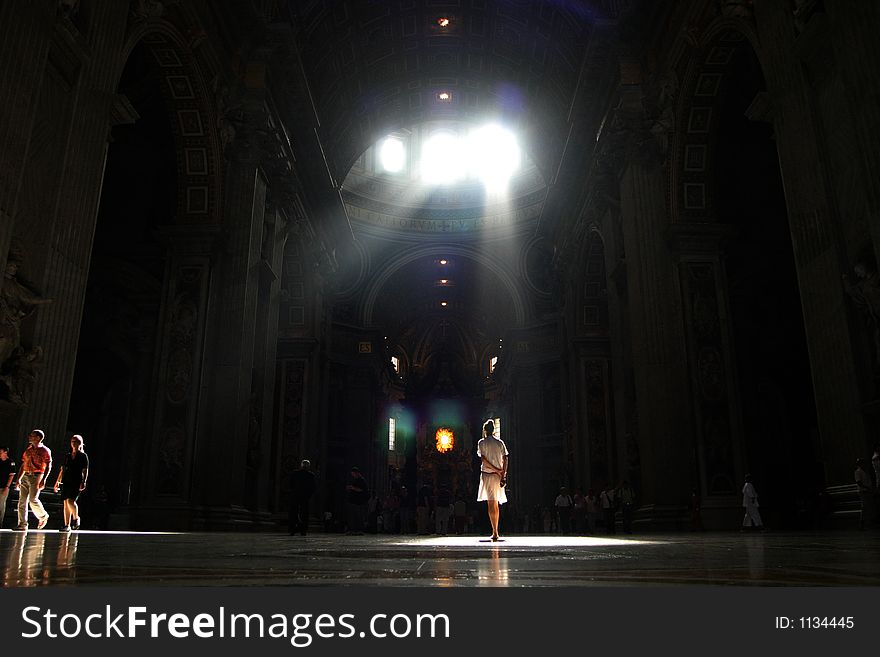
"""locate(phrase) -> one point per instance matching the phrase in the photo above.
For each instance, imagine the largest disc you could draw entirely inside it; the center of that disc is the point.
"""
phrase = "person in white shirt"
(563, 506)
(606, 500)
(752, 517)
(493, 473)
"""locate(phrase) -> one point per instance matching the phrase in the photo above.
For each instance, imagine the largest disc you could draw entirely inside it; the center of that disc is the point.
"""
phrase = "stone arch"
(594, 278)
(381, 277)
(691, 188)
(193, 110)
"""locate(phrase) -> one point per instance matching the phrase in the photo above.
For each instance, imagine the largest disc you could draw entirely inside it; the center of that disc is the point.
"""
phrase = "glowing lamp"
(443, 22)
(445, 440)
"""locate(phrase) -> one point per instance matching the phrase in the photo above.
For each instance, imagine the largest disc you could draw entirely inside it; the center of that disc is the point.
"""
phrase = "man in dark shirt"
(7, 474)
(302, 487)
(424, 500)
(358, 495)
(443, 511)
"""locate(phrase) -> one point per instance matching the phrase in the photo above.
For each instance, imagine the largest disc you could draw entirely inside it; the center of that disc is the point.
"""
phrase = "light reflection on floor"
(104, 532)
(526, 541)
(50, 558)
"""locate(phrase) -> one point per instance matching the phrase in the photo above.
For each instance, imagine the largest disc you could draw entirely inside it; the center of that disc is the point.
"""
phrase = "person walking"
(302, 487)
(626, 497)
(866, 492)
(358, 495)
(592, 504)
(563, 505)
(606, 499)
(36, 463)
(7, 476)
(424, 502)
(443, 511)
(580, 512)
(752, 517)
(72, 478)
(494, 459)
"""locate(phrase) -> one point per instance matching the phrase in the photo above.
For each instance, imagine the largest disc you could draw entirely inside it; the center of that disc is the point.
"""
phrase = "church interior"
(641, 236)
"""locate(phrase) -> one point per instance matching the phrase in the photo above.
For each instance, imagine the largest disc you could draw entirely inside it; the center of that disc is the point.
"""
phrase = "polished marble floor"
(48, 558)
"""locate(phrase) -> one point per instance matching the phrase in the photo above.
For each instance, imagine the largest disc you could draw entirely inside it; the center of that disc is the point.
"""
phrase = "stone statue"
(145, 9)
(68, 8)
(803, 12)
(225, 114)
(663, 114)
(736, 8)
(20, 374)
(16, 303)
(864, 290)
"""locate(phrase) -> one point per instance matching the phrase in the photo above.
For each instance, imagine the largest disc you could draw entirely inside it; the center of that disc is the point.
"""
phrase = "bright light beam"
(494, 156)
(442, 159)
(392, 155)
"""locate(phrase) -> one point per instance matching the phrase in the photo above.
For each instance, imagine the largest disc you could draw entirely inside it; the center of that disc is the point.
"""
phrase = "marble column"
(25, 33)
(262, 468)
(856, 48)
(816, 241)
(58, 201)
(527, 464)
(232, 426)
(665, 418)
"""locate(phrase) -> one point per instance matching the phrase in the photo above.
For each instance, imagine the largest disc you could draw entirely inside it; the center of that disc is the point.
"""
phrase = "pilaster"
(57, 201)
(816, 241)
(665, 439)
(173, 460)
(717, 419)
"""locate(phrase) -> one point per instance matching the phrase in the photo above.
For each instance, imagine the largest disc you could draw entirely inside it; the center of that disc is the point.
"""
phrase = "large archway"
(772, 362)
(114, 365)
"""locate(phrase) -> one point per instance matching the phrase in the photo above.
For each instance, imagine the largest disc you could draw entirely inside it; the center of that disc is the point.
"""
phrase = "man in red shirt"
(36, 462)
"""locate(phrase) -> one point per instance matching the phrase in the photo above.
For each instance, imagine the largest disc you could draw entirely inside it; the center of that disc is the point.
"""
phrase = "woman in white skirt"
(493, 473)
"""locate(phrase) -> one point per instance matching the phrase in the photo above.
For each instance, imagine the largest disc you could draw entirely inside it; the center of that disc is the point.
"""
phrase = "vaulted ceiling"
(375, 67)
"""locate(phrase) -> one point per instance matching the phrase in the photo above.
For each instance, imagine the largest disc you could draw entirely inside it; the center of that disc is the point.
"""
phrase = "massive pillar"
(816, 240)
(60, 180)
(666, 440)
(25, 33)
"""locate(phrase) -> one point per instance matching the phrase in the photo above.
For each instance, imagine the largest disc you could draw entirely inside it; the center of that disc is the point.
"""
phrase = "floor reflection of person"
(65, 564)
(71, 480)
(26, 563)
(493, 473)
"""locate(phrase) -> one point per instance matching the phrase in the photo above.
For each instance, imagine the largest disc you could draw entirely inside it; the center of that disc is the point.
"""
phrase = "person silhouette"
(494, 459)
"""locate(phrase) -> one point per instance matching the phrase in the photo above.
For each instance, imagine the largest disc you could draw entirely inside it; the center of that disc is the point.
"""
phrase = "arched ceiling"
(375, 66)
(477, 299)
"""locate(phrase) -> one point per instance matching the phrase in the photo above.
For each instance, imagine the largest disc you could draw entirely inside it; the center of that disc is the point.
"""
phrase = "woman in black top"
(72, 481)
